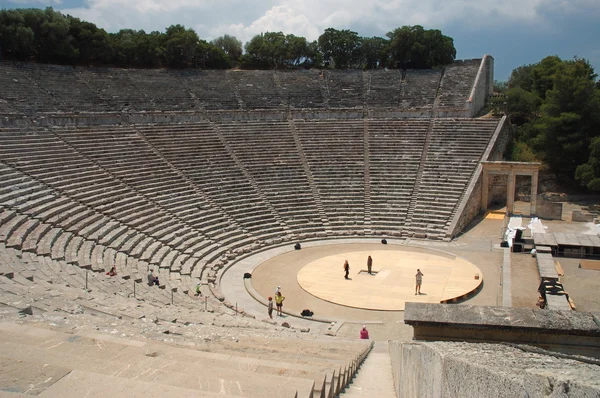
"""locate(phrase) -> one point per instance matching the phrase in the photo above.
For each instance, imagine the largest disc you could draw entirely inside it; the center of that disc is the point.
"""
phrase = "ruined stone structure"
(186, 172)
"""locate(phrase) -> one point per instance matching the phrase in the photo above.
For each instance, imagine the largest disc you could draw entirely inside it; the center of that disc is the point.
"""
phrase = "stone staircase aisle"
(415, 193)
(374, 377)
(368, 223)
(311, 180)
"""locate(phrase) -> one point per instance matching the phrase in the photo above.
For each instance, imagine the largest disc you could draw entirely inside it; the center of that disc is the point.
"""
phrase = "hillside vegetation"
(555, 106)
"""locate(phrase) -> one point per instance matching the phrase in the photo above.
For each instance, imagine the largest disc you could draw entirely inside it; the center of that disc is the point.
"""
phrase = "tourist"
(152, 278)
(270, 307)
(347, 269)
(419, 276)
(364, 333)
(198, 292)
(113, 271)
(369, 264)
(279, 302)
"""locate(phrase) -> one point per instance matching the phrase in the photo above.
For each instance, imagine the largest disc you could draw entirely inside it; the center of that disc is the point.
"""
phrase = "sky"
(514, 32)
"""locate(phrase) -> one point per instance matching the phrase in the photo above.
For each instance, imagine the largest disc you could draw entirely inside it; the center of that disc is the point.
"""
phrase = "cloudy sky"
(514, 32)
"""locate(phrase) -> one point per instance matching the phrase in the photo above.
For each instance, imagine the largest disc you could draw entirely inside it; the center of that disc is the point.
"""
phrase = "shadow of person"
(422, 294)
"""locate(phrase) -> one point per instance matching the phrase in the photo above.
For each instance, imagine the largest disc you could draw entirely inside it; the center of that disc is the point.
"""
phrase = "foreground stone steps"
(149, 361)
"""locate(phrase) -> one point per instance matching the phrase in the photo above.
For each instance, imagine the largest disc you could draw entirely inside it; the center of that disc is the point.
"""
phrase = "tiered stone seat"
(91, 304)
(345, 88)
(98, 362)
(457, 83)
(455, 149)
(384, 88)
(203, 158)
(125, 154)
(167, 90)
(213, 89)
(21, 94)
(5, 108)
(31, 88)
(257, 89)
(268, 152)
(334, 151)
(56, 274)
(302, 89)
(37, 195)
(419, 88)
(395, 149)
(117, 88)
(64, 85)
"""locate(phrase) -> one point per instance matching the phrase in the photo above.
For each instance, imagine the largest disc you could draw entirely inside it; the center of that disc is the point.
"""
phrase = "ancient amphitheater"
(203, 176)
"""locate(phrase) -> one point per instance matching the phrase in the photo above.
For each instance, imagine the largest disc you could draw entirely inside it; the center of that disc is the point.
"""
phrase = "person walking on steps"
(369, 264)
(347, 269)
(419, 277)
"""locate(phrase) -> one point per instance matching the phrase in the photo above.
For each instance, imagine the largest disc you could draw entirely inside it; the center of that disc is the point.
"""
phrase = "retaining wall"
(457, 369)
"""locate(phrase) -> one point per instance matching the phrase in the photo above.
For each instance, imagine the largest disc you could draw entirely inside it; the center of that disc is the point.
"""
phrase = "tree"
(374, 52)
(125, 47)
(230, 45)
(570, 116)
(275, 50)
(150, 49)
(416, 48)
(556, 107)
(211, 57)
(588, 174)
(55, 43)
(17, 40)
(93, 44)
(522, 77)
(522, 105)
(340, 46)
(297, 50)
(180, 46)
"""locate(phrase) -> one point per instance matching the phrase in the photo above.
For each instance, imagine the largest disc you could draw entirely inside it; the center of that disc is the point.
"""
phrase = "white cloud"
(244, 19)
(278, 19)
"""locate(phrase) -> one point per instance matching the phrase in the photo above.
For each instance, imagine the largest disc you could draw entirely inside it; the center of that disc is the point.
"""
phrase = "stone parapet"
(457, 369)
(520, 325)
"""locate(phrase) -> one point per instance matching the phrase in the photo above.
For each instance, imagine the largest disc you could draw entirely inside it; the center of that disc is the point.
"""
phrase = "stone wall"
(548, 210)
(560, 331)
(580, 216)
(471, 202)
(482, 88)
(498, 189)
(457, 369)
(472, 206)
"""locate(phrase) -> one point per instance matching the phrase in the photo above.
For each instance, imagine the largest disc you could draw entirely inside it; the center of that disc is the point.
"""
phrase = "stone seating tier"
(193, 195)
(36, 88)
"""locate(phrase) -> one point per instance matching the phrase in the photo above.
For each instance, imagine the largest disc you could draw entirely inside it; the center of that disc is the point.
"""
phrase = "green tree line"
(48, 36)
(555, 106)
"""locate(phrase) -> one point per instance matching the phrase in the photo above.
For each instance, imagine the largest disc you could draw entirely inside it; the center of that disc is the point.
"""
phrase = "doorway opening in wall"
(522, 204)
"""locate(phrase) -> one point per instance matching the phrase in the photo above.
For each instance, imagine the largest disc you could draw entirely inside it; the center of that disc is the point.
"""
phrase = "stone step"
(79, 383)
(374, 377)
(130, 359)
